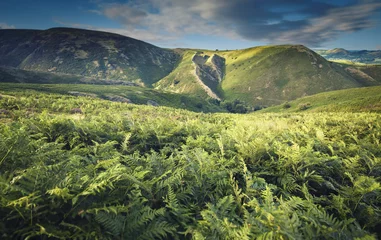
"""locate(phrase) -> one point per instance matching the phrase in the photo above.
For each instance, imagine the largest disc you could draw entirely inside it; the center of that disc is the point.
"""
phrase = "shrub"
(304, 106)
(236, 106)
(286, 105)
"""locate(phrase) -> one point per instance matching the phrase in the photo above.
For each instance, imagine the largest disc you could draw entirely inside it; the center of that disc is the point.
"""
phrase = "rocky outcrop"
(209, 72)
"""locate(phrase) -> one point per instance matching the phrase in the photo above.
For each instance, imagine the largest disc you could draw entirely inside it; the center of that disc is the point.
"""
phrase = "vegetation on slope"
(16, 75)
(119, 93)
(122, 171)
(366, 99)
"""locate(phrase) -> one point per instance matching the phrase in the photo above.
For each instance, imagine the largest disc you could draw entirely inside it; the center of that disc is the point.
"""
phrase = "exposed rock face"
(209, 72)
(218, 65)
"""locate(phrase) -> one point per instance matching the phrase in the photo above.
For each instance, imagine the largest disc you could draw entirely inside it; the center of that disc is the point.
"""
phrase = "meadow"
(114, 170)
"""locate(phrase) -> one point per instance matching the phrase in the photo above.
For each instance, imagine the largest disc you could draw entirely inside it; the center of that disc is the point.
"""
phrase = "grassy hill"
(87, 168)
(88, 53)
(366, 99)
(271, 75)
(259, 76)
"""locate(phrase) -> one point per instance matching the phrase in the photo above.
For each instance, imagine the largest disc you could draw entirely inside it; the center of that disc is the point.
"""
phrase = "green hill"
(93, 54)
(259, 76)
(366, 99)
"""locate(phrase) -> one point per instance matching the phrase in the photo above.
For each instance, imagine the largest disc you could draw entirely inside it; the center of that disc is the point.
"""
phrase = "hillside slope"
(270, 75)
(367, 99)
(365, 74)
(198, 73)
(88, 53)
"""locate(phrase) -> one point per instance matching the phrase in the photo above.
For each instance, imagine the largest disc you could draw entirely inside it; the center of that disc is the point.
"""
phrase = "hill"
(260, 76)
(366, 99)
(93, 54)
(353, 56)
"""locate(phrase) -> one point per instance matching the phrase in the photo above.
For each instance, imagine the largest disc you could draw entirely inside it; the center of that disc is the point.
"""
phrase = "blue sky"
(210, 24)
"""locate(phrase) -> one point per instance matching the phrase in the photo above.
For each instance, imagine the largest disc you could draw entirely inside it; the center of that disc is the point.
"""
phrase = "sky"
(210, 24)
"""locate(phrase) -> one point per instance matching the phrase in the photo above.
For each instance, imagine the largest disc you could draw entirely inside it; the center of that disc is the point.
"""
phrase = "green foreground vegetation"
(86, 168)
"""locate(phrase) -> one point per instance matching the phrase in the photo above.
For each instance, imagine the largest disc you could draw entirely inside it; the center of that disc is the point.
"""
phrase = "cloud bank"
(308, 22)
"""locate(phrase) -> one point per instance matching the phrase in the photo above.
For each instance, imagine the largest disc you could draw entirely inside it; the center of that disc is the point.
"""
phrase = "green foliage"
(236, 106)
(122, 171)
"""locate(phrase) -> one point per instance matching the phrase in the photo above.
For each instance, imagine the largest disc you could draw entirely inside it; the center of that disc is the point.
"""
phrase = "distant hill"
(88, 53)
(260, 76)
(366, 99)
(354, 56)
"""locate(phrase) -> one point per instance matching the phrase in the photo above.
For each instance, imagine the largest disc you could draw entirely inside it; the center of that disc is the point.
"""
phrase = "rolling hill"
(260, 76)
(93, 54)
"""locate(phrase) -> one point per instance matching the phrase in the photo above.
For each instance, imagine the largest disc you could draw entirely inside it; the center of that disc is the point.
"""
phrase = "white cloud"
(325, 28)
(6, 26)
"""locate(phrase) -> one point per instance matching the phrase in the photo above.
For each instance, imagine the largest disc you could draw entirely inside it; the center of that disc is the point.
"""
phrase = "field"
(87, 168)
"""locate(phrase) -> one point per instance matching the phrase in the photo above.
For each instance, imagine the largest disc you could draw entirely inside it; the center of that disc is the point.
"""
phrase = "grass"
(366, 99)
(137, 95)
